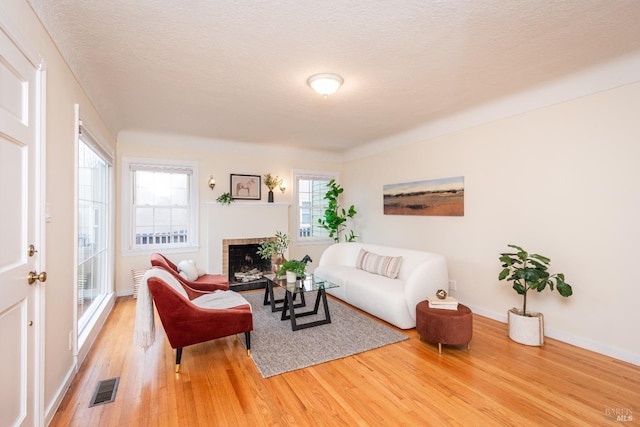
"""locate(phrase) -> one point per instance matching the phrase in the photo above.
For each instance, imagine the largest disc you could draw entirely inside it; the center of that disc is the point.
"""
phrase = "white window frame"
(128, 246)
(308, 174)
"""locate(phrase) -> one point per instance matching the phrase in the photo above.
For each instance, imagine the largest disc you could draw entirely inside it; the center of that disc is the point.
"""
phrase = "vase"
(291, 277)
(527, 330)
(276, 262)
(270, 199)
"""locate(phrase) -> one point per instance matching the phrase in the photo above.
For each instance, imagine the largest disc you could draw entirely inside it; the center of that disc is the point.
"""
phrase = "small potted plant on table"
(529, 271)
(294, 270)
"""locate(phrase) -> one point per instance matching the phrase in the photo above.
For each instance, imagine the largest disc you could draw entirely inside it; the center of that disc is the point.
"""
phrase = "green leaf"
(503, 274)
(519, 288)
(544, 259)
(564, 288)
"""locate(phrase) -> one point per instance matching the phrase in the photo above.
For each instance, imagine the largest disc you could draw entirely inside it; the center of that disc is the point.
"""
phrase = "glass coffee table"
(292, 290)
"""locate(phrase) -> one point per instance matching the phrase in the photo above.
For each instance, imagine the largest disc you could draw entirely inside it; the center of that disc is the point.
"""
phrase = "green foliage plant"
(225, 199)
(295, 266)
(529, 271)
(278, 246)
(336, 216)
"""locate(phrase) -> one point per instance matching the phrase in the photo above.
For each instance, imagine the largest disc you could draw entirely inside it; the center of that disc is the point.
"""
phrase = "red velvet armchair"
(193, 316)
(207, 282)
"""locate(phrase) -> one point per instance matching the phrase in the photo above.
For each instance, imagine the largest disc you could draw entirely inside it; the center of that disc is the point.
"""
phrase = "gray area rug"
(276, 349)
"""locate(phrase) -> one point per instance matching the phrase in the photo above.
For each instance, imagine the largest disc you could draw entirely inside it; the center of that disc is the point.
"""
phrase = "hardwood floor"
(496, 382)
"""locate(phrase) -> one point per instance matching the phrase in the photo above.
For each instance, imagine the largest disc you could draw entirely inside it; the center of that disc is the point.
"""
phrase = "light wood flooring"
(497, 382)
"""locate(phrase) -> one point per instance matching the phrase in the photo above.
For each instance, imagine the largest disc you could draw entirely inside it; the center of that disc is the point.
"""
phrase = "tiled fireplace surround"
(229, 242)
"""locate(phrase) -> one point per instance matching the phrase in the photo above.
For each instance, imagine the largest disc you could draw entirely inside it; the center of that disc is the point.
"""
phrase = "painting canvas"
(245, 187)
(436, 197)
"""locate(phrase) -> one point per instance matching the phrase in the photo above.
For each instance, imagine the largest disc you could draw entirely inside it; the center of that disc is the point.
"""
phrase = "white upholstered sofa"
(393, 300)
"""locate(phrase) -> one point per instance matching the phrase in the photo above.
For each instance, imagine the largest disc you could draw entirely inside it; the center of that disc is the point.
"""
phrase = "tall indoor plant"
(335, 216)
(529, 272)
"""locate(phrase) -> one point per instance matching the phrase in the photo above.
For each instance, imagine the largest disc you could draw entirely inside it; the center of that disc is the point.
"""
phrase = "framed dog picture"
(246, 187)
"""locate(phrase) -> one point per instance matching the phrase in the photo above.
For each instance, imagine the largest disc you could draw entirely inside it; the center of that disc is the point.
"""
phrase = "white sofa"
(421, 274)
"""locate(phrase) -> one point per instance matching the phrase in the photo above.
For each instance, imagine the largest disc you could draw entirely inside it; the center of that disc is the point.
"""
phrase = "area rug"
(276, 349)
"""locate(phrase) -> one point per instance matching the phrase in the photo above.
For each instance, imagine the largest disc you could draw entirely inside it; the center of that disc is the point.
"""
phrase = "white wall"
(561, 181)
(62, 93)
(220, 159)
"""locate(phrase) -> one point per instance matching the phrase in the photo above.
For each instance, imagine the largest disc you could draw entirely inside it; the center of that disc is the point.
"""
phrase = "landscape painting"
(436, 197)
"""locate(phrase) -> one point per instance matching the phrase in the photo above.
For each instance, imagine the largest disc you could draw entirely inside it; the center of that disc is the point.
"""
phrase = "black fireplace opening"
(246, 267)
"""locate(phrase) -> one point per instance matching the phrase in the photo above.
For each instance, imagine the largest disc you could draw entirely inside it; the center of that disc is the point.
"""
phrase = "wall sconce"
(283, 186)
(211, 183)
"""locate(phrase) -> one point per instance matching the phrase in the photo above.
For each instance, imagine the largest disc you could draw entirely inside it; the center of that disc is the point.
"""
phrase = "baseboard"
(50, 411)
(597, 347)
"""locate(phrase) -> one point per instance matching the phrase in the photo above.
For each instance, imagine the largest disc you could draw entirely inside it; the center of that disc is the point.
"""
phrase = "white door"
(19, 320)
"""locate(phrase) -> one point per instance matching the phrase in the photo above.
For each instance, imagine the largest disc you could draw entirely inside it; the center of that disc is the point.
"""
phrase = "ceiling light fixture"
(325, 84)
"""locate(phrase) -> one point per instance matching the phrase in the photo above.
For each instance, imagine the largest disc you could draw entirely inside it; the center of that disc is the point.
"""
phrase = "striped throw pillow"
(378, 264)
(137, 278)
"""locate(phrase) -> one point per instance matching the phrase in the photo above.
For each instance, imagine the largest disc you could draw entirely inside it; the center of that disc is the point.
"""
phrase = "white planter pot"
(291, 277)
(528, 330)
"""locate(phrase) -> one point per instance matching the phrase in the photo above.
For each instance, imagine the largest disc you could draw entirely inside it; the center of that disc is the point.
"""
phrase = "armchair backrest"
(159, 260)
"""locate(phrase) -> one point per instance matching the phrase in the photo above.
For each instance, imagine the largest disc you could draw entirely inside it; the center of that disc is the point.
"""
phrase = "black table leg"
(289, 307)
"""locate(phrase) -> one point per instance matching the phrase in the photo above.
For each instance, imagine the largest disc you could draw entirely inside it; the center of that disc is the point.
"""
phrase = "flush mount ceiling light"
(325, 84)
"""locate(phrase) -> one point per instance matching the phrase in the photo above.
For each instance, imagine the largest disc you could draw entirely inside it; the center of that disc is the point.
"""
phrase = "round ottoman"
(442, 326)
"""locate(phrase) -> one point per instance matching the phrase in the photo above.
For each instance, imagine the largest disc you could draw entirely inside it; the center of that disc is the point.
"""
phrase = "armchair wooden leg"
(247, 338)
(178, 358)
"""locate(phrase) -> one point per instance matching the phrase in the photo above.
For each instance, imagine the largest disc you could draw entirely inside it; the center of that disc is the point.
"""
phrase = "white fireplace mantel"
(241, 220)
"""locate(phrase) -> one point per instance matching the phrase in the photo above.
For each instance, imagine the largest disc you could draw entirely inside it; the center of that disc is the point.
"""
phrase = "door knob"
(33, 276)
(31, 250)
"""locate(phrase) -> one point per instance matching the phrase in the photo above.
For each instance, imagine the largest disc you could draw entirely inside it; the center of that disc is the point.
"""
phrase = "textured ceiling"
(237, 71)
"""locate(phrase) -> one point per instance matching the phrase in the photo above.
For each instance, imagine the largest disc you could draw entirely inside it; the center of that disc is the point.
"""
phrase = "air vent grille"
(105, 392)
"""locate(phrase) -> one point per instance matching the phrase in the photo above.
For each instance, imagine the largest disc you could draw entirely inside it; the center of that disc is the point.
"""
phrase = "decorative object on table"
(529, 271)
(306, 259)
(436, 197)
(275, 249)
(272, 181)
(446, 303)
(441, 293)
(335, 216)
(291, 268)
(225, 199)
(245, 187)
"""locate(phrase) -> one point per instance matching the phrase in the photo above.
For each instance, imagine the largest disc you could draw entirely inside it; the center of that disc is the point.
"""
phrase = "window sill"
(148, 250)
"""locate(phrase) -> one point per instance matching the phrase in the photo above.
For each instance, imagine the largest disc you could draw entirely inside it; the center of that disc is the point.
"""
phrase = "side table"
(453, 327)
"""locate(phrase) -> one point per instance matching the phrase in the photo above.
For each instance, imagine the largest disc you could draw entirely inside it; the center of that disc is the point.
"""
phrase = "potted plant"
(225, 199)
(271, 182)
(294, 269)
(274, 249)
(335, 216)
(529, 271)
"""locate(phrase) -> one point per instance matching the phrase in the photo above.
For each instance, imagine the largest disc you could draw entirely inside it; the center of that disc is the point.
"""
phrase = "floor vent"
(105, 392)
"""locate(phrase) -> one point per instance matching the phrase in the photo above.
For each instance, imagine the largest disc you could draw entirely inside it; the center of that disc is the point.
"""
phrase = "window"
(161, 199)
(94, 245)
(310, 188)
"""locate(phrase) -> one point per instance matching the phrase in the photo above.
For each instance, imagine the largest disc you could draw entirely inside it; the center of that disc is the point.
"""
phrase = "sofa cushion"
(379, 264)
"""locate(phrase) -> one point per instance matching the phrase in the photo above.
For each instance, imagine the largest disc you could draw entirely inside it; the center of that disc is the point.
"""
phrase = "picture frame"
(245, 187)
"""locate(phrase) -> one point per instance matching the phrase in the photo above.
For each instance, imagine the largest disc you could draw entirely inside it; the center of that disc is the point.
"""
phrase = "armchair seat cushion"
(220, 300)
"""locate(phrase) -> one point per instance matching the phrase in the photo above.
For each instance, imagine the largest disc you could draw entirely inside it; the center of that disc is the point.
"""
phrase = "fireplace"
(242, 264)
